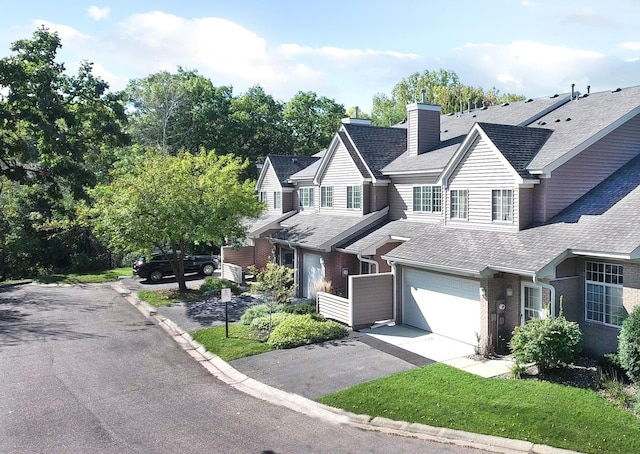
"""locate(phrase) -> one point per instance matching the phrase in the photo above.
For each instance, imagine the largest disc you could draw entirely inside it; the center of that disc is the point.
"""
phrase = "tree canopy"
(172, 202)
(440, 87)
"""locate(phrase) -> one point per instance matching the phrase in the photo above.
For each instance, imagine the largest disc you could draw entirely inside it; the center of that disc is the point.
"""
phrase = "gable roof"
(581, 122)
(377, 146)
(286, 165)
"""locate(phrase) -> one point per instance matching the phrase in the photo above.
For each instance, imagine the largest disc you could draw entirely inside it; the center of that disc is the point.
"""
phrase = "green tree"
(440, 87)
(52, 125)
(181, 111)
(313, 121)
(171, 202)
(351, 113)
(629, 345)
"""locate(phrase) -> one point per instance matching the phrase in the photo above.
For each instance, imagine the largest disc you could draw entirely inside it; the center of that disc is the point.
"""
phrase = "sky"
(348, 51)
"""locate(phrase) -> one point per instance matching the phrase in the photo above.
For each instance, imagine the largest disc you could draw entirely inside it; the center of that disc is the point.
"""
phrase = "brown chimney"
(423, 128)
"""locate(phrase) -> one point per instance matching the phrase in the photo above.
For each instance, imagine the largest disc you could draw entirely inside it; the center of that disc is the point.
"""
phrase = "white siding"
(340, 173)
(401, 199)
(270, 184)
(577, 176)
(481, 171)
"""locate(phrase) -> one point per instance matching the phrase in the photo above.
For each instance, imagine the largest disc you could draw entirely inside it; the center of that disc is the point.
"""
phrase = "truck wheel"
(155, 276)
(208, 269)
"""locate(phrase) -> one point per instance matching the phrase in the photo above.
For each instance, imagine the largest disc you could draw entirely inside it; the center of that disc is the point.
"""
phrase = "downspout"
(552, 290)
(395, 291)
(369, 261)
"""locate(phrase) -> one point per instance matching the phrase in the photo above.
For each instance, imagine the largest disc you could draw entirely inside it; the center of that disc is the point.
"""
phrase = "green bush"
(299, 330)
(260, 310)
(276, 281)
(215, 284)
(299, 309)
(611, 367)
(547, 342)
(629, 345)
(268, 323)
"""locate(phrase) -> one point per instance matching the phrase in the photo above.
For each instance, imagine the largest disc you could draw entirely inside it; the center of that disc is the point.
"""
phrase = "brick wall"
(242, 256)
(383, 266)
(334, 262)
(263, 252)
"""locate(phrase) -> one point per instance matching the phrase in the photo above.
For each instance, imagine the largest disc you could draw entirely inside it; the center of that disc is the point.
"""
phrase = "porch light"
(509, 291)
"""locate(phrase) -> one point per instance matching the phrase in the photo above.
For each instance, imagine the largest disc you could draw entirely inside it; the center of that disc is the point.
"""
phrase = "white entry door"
(445, 305)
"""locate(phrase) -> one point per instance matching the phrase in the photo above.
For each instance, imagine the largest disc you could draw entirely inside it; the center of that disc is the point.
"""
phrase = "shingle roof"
(517, 144)
(377, 145)
(255, 225)
(285, 166)
(576, 121)
(354, 154)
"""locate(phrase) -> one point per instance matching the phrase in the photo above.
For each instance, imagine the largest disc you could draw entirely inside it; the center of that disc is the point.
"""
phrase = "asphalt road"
(82, 371)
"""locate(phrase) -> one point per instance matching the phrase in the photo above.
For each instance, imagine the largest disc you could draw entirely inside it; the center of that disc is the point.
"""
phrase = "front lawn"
(85, 278)
(536, 411)
(159, 298)
(242, 341)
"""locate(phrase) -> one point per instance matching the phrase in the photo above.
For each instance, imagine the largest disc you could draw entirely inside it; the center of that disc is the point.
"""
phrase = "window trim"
(351, 200)
(433, 200)
(301, 198)
(498, 205)
(619, 285)
(326, 196)
(523, 293)
(277, 200)
(262, 196)
(457, 212)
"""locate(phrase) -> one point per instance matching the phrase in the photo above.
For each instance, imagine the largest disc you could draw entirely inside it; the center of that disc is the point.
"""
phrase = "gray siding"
(401, 199)
(287, 201)
(334, 308)
(480, 171)
(340, 173)
(525, 207)
(271, 184)
(379, 197)
(423, 130)
(583, 172)
(372, 298)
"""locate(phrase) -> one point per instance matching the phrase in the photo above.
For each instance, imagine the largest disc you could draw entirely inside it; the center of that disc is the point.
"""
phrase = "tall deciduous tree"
(53, 124)
(181, 111)
(313, 121)
(440, 87)
(171, 202)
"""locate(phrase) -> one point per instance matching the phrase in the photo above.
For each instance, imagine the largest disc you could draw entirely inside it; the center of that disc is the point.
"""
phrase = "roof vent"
(616, 90)
(529, 100)
(450, 114)
(568, 119)
(554, 96)
(505, 104)
(294, 160)
(542, 123)
(483, 108)
(586, 95)
(474, 115)
(558, 120)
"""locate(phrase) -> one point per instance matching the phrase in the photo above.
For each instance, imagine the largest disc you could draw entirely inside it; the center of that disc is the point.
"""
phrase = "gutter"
(370, 262)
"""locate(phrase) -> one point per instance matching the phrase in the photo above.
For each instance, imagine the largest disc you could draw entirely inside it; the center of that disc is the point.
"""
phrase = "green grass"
(9, 282)
(240, 343)
(536, 411)
(85, 278)
(158, 298)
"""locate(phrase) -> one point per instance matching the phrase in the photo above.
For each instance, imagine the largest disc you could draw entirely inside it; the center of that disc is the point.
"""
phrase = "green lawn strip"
(11, 282)
(540, 412)
(240, 343)
(85, 278)
(158, 298)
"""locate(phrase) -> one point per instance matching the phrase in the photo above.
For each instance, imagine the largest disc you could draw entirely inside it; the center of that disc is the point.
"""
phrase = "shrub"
(611, 367)
(261, 310)
(268, 323)
(547, 342)
(276, 281)
(299, 330)
(629, 345)
(306, 308)
(215, 284)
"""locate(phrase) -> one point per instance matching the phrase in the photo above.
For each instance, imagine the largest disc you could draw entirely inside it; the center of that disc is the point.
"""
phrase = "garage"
(311, 272)
(445, 305)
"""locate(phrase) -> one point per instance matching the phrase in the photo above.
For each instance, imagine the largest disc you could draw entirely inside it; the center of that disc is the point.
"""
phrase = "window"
(262, 196)
(427, 199)
(502, 205)
(353, 196)
(603, 293)
(459, 204)
(277, 200)
(306, 197)
(532, 302)
(326, 196)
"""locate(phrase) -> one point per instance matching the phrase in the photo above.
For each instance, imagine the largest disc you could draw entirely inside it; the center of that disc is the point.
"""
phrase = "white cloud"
(68, 35)
(631, 45)
(528, 4)
(98, 13)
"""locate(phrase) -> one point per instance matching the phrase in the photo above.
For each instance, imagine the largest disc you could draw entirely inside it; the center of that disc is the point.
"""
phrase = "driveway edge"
(227, 374)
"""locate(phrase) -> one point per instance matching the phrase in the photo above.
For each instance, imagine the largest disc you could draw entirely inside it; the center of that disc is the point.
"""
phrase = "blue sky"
(348, 51)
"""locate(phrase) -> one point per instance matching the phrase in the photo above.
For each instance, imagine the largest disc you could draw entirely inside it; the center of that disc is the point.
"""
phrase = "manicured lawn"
(158, 298)
(88, 278)
(15, 282)
(240, 343)
(540, 412)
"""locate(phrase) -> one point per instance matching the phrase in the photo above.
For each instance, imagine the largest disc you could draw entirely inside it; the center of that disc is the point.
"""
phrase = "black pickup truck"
(155, 267)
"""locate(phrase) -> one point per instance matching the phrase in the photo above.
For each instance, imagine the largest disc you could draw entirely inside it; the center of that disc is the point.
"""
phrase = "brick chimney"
(423, 127)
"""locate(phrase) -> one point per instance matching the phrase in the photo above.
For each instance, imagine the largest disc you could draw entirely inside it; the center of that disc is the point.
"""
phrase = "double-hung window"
(326, 196)
(502, 205)
(277, 200)
(459, 204)
(262, 196)
(427, 199)
(306, 197)
(353, 197)
(603, 293)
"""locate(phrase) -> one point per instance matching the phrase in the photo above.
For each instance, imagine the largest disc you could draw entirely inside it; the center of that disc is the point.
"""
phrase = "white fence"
(231, 272)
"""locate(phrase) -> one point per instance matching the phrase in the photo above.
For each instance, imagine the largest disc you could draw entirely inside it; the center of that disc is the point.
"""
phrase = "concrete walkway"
(226, 373)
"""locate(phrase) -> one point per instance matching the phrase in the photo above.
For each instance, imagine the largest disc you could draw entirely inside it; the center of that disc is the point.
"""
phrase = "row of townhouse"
(467, 225)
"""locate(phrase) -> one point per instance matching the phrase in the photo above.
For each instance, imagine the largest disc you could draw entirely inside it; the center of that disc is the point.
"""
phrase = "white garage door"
(444, 305)
(311, 272)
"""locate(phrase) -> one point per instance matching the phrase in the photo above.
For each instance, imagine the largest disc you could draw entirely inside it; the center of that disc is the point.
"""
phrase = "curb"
(227, 374)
